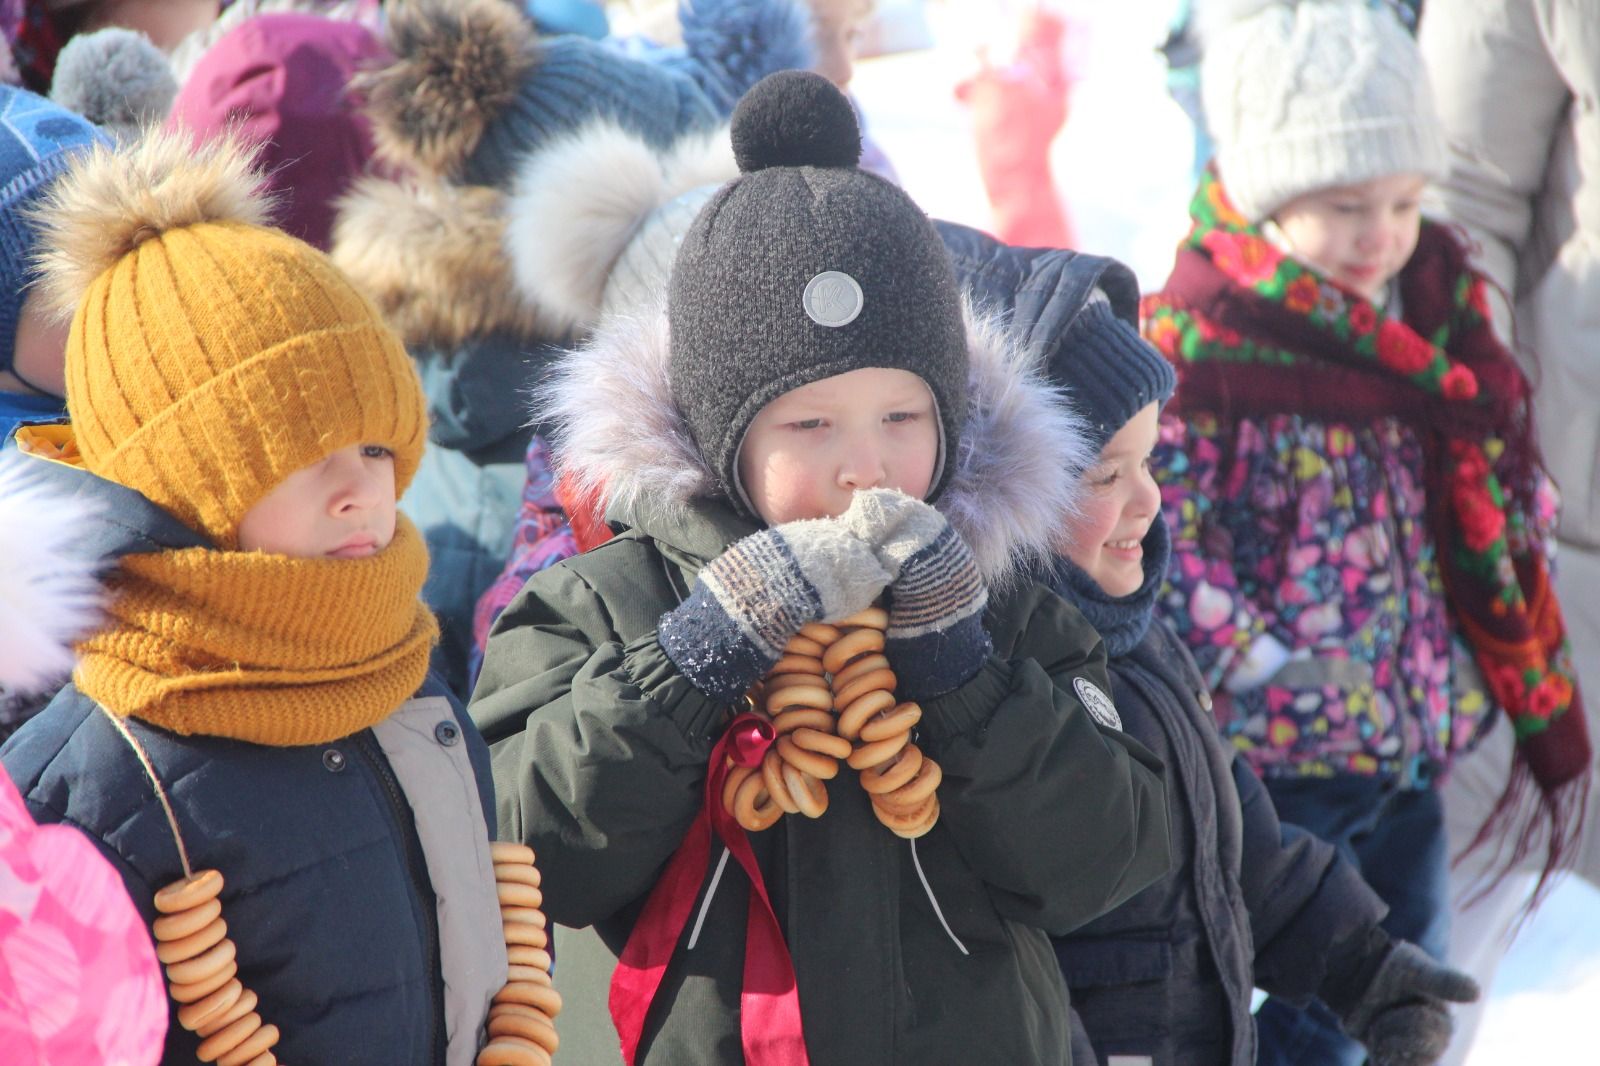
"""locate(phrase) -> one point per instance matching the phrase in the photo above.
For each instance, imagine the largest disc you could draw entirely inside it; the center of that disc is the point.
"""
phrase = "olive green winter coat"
(936, 951)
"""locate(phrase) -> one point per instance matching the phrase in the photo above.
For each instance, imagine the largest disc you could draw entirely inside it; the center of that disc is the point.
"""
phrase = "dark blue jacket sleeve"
(1309, 907)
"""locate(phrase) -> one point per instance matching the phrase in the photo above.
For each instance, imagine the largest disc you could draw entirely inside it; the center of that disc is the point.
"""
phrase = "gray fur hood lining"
(618, 434)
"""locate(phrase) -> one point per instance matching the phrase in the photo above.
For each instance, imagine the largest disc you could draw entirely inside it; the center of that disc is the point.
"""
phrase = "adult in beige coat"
(1516, 83)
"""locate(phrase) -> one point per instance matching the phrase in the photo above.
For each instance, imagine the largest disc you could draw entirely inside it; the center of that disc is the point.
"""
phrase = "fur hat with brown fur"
(431, 256)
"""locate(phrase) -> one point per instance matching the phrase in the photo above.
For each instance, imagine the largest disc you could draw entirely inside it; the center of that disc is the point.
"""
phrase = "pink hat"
(283, 80)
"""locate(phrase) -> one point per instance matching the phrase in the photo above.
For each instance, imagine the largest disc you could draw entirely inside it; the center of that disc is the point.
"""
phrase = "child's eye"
(904, 416)
(1103, 479)
(376, 451)
(1347, 209)
(807, 423)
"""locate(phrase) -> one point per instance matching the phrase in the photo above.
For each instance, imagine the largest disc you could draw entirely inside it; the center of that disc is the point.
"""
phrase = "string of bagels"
(830, 698)
(202, 967)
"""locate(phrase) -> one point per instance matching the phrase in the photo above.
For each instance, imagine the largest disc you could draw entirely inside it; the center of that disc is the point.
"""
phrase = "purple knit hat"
(283, 80)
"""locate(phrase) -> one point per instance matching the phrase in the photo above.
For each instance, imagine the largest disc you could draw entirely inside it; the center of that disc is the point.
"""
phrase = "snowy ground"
(1122, 167)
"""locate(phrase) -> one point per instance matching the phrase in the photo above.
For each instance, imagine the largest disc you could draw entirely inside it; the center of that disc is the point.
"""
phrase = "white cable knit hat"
(1303, 96)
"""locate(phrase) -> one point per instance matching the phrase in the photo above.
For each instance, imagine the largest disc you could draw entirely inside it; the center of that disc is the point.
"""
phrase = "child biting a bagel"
(812, 426)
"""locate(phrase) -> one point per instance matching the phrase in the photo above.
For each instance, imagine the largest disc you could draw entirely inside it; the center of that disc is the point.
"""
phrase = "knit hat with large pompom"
(210, 356)
(806, 267)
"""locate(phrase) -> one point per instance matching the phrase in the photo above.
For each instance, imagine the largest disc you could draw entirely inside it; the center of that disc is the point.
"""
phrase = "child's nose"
(1147, 500)
(357, 489)
(1375, 235)
(862, 468)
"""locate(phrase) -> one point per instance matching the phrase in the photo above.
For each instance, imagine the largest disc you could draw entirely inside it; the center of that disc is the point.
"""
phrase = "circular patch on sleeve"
(1100, 706)
(832, 298)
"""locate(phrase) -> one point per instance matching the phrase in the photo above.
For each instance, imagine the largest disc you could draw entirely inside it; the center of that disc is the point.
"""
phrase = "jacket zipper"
(420, 881)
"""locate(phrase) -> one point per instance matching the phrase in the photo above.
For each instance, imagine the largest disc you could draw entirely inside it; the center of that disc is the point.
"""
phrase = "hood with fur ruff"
(620, 436)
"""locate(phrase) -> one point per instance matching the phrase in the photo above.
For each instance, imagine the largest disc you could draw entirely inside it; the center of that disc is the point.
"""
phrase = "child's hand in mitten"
(1402, 1016)
(936, 639)
(752, 598)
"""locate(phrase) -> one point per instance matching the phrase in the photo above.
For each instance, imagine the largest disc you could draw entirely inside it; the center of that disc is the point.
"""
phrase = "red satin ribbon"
(769, 1003)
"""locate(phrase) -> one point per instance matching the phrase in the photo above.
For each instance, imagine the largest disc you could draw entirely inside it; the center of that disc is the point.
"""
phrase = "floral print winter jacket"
(1302, 555)
(1312, 533)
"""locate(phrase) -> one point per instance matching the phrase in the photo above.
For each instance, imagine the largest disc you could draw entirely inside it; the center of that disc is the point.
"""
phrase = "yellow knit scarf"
(263, 648)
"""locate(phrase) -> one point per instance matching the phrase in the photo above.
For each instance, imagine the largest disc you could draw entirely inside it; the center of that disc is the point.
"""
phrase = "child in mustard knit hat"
(258, 702)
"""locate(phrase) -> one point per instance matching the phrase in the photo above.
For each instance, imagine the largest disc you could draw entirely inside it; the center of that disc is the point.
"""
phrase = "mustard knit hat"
(210, 357)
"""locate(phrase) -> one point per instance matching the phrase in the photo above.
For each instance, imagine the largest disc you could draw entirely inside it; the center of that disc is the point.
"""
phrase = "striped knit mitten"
(751, 599)
(936, 638)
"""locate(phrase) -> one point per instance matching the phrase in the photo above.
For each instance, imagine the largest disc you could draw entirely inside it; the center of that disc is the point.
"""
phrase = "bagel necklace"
(830, 697)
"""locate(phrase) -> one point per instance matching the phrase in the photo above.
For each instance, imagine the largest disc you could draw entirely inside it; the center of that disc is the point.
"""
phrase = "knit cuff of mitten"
(745, 606)
(936, 638)
(752, 598)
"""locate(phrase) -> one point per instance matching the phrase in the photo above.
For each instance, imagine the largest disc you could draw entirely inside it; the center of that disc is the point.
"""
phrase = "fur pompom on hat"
(431, 255)
(211, 357)
(473, 89)
(1313, 94)
(803, 268)
(116, 79)
(458, 66)
(596, 218)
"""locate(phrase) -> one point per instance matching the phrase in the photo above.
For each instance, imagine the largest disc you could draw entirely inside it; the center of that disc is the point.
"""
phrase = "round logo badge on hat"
(1099, 704)
(832, 298)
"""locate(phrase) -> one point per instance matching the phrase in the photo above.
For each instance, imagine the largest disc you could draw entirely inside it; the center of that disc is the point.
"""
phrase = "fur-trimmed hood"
(619, 435)
(59, 527)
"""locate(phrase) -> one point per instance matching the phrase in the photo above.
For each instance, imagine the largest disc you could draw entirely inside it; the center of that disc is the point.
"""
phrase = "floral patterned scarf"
(1275, 336)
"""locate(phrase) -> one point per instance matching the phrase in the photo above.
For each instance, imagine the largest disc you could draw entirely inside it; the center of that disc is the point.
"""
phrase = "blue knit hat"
(473, 90)
(37, 139)
(1078, 313)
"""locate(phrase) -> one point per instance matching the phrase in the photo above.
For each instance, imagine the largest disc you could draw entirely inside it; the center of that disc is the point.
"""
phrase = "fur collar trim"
(620, 436)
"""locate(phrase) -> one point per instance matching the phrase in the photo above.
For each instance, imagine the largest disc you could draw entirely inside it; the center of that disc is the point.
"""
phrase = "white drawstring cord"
(937, 912)
(694, 934)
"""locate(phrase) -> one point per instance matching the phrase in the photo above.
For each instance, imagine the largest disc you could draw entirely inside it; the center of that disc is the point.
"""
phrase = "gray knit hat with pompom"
(802, 268)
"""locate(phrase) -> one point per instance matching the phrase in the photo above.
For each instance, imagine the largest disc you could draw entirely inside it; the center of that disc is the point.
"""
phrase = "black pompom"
(795, 118)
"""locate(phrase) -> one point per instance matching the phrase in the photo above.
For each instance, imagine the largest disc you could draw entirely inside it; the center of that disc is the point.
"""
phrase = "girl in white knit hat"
(1359, 514)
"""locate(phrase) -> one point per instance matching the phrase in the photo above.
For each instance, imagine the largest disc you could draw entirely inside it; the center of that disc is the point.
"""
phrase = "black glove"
(1402, 1016)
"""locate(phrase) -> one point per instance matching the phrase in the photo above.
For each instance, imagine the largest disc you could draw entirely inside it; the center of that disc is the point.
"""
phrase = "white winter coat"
(1516, 83)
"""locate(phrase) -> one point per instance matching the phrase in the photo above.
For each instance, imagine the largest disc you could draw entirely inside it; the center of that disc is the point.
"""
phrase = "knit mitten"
(936, 638)
(752, 598)
(1402, 1016)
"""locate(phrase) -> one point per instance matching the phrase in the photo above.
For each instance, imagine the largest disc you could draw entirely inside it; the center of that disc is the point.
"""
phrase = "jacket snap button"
(1205, 700)
(333, 760)
(447, 733)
